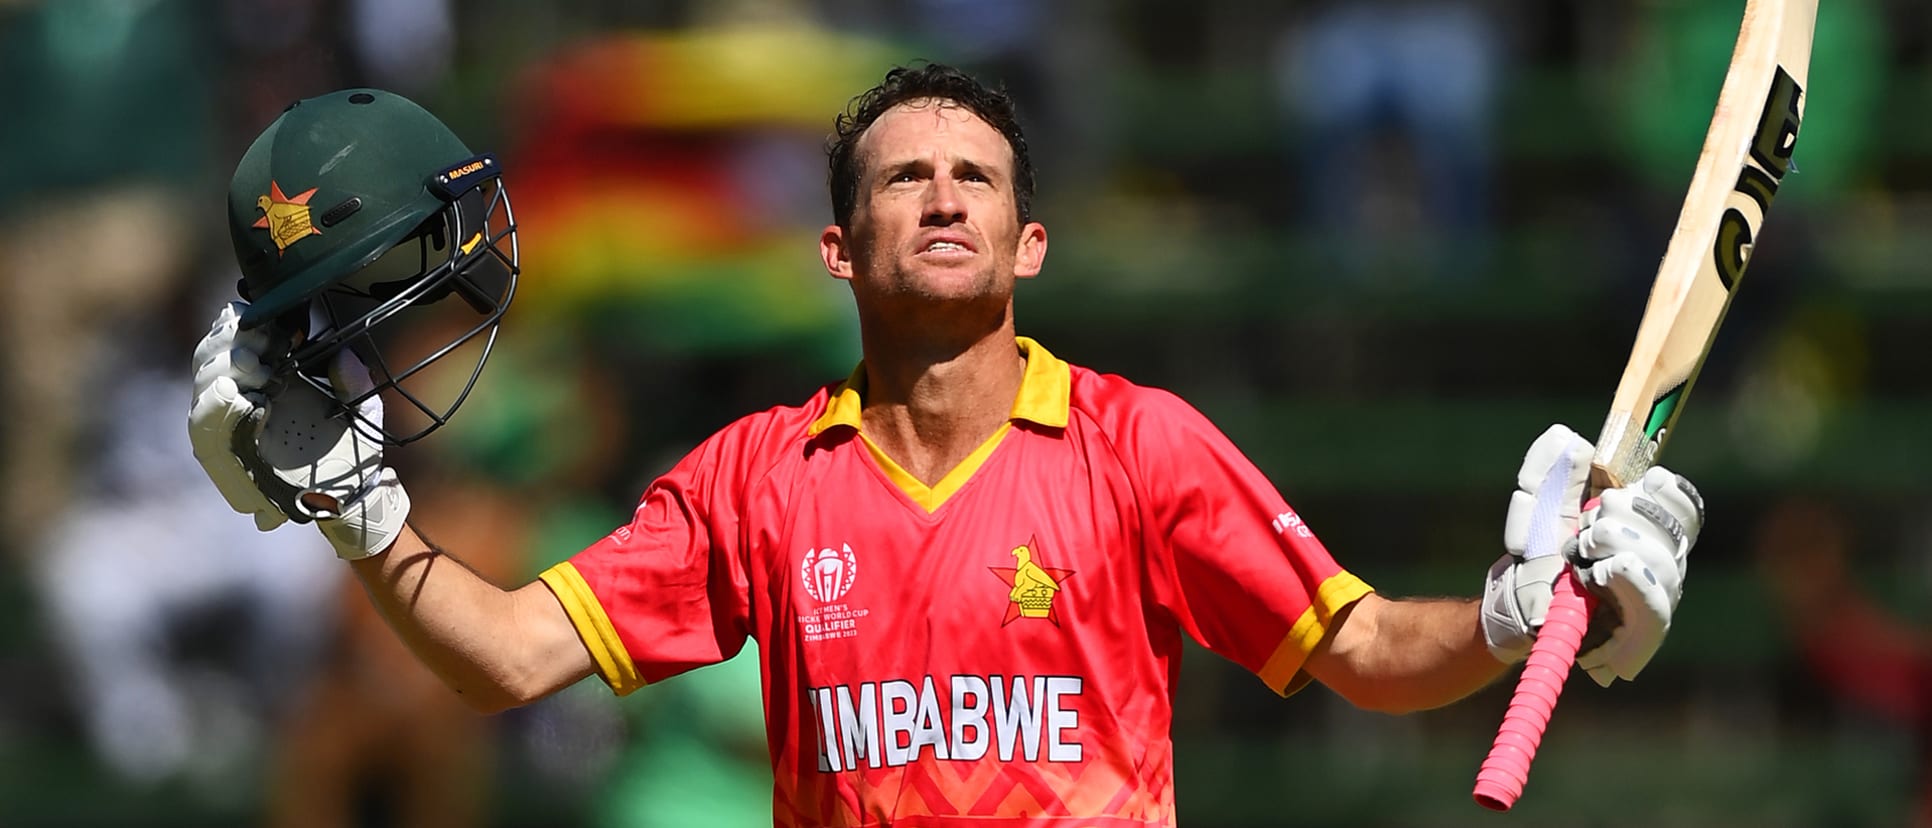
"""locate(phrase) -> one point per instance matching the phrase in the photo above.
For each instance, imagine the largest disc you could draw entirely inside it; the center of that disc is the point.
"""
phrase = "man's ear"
(1031, 255)
(835, 252)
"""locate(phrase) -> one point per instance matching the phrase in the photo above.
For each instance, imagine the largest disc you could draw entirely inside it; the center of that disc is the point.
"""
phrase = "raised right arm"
(496, 648)
(276, 450)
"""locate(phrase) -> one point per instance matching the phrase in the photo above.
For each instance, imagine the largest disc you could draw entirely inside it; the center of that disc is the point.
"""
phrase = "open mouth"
(947, 247)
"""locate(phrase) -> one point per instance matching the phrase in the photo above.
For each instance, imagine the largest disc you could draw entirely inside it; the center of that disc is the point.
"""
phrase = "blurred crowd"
(1379, 241)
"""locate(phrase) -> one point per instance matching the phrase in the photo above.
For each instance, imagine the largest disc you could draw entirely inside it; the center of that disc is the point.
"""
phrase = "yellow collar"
(1045, 391)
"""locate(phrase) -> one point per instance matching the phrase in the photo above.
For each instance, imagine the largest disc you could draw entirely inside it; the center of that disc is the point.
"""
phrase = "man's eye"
(903, 178)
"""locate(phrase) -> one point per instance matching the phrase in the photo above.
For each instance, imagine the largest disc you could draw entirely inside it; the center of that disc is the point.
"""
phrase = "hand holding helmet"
(279, 450)
(353, 216)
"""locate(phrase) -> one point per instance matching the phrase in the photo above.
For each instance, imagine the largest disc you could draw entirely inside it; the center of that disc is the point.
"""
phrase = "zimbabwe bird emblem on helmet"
(285, 218)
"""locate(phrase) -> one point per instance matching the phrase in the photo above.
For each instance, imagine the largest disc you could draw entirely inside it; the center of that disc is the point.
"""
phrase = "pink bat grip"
(1506, 770)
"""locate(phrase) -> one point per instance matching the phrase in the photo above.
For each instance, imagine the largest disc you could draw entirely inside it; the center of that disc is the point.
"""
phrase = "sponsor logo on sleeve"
(1290, 522)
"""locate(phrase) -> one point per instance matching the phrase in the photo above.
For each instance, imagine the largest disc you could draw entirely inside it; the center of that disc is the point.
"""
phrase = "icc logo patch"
(828, 573)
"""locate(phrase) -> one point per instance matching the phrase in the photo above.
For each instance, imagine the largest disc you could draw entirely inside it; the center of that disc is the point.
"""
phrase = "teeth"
(945, 246)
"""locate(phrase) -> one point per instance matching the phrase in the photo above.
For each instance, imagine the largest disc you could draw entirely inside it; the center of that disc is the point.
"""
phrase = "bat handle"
(1506, 770)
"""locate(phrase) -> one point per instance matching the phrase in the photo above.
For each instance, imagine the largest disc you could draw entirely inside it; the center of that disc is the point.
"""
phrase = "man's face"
(936, 216)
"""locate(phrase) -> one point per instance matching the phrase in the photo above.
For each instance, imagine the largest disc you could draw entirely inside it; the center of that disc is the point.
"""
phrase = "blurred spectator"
(185, 631)
(1863, 652)
(188, 637)
(276, 52)
(377, 735)
(180, 629)
(405, 46)
(107, 132)
(1395, 99)
(1047, 54)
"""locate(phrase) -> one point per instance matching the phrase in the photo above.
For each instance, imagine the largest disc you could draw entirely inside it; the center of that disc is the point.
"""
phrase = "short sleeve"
(665, 593)
(1230, 559)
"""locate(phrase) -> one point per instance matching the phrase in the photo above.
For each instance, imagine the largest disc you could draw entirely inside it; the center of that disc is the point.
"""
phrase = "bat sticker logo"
(1777, 135)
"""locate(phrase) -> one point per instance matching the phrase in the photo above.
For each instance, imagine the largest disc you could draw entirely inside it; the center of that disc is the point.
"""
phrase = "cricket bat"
(1746, 154)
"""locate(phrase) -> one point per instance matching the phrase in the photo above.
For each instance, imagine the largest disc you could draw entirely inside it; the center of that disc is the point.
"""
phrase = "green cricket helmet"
(360, 221)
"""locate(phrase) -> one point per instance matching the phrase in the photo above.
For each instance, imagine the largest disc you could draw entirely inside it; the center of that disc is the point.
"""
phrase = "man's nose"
(943, 204)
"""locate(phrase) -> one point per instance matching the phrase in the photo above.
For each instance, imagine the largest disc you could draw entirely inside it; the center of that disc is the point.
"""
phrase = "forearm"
(1398, 656)
(496, 648)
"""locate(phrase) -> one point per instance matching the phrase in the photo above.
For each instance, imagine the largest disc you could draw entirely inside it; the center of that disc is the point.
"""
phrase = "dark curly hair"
(922, 81)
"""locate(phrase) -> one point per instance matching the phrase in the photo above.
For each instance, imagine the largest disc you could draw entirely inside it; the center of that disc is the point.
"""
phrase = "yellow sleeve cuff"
(607, 651)
(1283, 673)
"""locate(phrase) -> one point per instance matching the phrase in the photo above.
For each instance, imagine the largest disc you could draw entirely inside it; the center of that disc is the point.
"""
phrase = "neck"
(930, 404)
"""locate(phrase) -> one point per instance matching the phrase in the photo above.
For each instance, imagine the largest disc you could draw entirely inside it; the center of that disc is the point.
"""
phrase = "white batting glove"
(229, 376)
(289, 453)
(1633, 552)
(1545, 513)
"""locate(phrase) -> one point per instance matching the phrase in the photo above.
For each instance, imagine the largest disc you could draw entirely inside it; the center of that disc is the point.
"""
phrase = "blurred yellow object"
(683, 171)
(726, 77)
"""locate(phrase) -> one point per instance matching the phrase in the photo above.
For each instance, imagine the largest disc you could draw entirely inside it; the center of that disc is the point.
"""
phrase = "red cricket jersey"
(997, 650)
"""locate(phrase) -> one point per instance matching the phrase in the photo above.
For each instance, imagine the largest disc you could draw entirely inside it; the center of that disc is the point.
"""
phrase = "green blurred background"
(1381, 243)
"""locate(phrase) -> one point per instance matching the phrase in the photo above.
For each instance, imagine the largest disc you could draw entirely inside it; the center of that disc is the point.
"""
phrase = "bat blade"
(1746, 156)
(1745, 159)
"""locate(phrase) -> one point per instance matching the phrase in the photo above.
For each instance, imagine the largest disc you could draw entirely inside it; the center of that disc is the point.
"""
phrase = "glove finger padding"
(1543, 518)
(1673, 492)
(219, 415)
(234, 354)
(1634, 551)
(1545, 510)
(228, 369)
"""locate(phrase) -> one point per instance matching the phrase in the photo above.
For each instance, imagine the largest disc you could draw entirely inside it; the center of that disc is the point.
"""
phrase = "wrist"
(370, 523)
(1505, 632)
